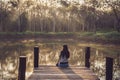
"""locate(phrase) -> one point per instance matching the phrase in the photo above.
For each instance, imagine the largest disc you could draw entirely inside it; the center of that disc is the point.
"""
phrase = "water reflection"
(49, 53)
(98, 58)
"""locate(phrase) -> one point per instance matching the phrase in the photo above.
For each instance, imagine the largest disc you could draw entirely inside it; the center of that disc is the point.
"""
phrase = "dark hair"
(65, 47)
(65, 52)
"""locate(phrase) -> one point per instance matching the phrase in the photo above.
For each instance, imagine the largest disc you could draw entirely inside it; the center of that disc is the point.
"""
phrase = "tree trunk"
(117, 19)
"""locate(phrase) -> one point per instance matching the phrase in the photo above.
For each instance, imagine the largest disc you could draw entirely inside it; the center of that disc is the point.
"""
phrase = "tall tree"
(115, 6)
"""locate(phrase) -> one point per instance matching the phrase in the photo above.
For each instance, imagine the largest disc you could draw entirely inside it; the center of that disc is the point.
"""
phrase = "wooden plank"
(55, 73)
(60, 79)
(64, 76)
(61, 72)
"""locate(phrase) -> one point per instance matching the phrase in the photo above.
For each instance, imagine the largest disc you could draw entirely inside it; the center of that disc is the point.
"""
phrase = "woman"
(63, 58)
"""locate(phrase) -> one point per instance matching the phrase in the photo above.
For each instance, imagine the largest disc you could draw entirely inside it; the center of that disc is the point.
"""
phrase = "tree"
(4, 16)
(115, 6)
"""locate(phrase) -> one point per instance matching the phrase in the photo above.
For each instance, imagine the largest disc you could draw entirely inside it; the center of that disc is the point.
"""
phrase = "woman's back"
(65, 53)
(63, 58)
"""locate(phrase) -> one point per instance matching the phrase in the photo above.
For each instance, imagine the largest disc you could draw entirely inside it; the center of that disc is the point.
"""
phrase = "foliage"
(59, 15)
(107, 35)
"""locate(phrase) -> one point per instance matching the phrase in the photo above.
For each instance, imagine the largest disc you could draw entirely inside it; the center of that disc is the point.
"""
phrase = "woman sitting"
(63, 58)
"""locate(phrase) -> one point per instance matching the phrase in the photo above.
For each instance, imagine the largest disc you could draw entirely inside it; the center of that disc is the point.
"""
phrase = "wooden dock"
(44, 72)
(55, 73)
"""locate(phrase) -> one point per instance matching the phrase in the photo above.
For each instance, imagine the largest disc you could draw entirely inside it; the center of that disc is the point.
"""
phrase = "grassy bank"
(104, 37)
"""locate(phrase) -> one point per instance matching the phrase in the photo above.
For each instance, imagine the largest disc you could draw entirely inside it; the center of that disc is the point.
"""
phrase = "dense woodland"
(59, 15)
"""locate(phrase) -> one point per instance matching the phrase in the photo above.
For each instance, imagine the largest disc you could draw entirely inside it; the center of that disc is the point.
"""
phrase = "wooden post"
(36, 56)
(109, 68)
(22, 68)
(87, 57)
(118, 59)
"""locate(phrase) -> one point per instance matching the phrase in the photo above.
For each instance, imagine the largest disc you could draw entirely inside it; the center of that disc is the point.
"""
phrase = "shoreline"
(112, 39)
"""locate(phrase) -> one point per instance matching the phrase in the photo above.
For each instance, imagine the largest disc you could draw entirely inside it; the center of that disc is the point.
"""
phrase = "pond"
(49, 54)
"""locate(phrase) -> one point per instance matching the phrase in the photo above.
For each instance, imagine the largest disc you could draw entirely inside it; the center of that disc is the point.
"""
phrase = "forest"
(50, 24)
(59, 15)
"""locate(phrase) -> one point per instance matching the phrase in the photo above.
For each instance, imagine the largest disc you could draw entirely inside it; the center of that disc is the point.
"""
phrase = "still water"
(49, 54)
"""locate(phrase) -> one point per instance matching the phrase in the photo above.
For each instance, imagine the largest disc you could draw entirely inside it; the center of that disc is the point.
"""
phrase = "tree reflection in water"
(49, 54)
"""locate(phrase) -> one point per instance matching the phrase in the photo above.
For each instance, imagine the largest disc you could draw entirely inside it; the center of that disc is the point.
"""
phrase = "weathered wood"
(87, 57)
(22, 68)
(56, 73)
(109, 68)
(36, 56)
